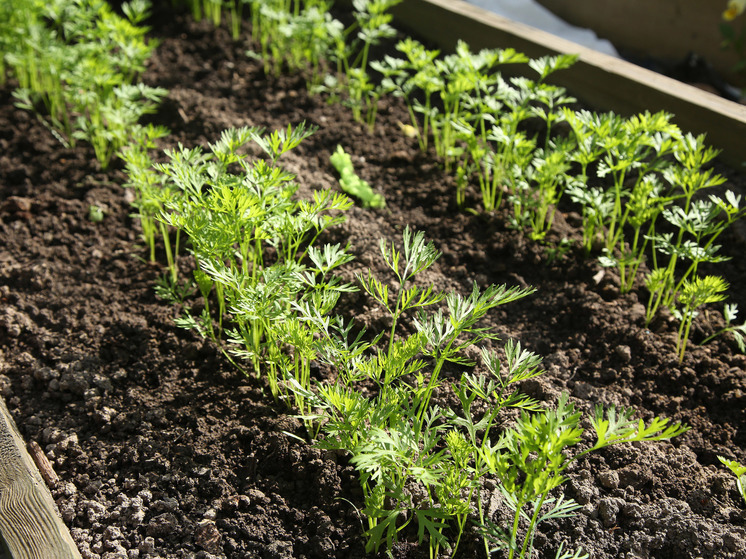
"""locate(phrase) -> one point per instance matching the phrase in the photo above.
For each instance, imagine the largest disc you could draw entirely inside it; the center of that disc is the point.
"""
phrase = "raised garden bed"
(164, 449)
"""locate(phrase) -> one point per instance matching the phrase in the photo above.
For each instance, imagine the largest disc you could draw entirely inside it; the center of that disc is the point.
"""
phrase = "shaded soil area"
(164, 449)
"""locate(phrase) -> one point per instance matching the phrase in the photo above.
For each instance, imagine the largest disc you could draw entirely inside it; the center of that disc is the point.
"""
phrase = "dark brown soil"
(165, 450)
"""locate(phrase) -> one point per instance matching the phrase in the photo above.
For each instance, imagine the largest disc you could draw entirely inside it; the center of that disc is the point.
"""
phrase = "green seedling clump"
(519, 142)
(422, 465)
(76, 63)
(95, 213)
(353, 184)
(253, 246)
(302, 38)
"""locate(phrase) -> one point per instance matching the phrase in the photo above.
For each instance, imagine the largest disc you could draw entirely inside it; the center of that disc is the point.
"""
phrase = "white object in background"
(530, 13)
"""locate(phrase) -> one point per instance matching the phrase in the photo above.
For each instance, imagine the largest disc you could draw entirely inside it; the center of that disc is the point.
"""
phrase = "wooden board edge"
(602, 81)
(30, 524)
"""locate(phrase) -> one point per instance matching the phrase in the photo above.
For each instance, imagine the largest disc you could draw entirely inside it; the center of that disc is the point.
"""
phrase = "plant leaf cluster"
(422, 466)
(294, 35)
(76, 62)
(353, 184)
(254, 246)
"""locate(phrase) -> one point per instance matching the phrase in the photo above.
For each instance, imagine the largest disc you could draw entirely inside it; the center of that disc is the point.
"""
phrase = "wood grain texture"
(687, 25)
(29, 522)
(601, 81)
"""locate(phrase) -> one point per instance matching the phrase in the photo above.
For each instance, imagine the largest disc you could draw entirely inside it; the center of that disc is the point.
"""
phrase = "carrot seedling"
(739, 470)
(729, 313)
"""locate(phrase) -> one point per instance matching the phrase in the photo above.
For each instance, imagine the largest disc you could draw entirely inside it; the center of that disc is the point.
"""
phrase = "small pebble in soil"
(162, 525)
(609, 479)
(94, 511)
(608, 509)
(67, 511)
(207, 536)
(585, 493)
(167, 504)
(6, 390)
(112, 533)
(632, 511)
(624, 353)
(147, 546)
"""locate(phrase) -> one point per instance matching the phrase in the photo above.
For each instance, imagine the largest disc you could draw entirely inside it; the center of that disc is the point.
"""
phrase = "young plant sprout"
(399, 458)
(299, 36)
(350, 51)
(698, 224)
(739, 470)
(403, 78)
(371, 27)
(95, 213)
(538, 191)
(150, 193)
(353, 184)
(530, 459)
(730, 311)
(694, 294)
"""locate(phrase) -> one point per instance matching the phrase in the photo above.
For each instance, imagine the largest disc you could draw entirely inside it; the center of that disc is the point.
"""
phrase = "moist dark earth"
(164, 449)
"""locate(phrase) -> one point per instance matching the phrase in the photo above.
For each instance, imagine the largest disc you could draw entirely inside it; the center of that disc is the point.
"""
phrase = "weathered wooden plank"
(29, 522)
(601, 81)
(688, 26)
